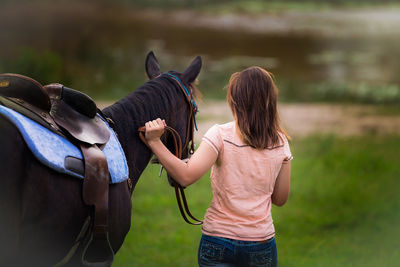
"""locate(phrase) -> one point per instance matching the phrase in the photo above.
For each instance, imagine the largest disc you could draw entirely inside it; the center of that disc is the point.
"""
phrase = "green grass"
(159, 236)
(343, 209)
(343, 206)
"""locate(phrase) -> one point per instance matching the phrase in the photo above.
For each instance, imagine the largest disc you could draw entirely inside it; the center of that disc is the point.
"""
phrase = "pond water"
(101, 50)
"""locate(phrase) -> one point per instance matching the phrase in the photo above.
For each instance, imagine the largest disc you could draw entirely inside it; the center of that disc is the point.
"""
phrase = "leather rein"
(177, 142)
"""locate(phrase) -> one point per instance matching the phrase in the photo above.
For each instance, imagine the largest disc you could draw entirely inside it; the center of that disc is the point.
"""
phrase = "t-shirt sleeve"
(286, 150)
(213, 138)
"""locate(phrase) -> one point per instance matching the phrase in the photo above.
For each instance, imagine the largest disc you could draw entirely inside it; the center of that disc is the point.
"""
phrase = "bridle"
(177, 143)
(192, 113)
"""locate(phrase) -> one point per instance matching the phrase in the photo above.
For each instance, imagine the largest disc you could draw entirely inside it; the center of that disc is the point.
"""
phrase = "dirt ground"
(335, 23)
(302, 119)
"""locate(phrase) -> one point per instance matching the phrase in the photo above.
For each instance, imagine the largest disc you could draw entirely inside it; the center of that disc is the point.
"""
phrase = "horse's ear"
(191, 72)
(152, 66)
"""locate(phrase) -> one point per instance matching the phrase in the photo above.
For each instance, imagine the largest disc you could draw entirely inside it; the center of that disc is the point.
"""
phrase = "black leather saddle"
(76, 113)
(73, 111)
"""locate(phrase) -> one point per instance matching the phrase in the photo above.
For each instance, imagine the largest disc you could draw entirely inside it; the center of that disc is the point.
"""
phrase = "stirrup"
(98, 251)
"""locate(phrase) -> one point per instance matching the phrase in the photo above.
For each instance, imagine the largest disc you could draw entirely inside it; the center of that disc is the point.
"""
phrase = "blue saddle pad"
(52, 149)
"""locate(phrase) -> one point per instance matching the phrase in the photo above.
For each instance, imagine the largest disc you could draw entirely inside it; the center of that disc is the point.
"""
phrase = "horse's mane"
(153, 98)
(159, 97)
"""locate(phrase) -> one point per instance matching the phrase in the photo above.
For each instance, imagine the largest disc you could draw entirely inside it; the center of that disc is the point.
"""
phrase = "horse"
(42, 211)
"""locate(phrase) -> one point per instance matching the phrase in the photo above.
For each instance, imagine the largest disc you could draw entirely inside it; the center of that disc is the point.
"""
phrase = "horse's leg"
(11, 173)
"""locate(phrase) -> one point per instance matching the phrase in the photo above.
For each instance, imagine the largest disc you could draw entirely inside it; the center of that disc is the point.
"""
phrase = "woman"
(250, 160)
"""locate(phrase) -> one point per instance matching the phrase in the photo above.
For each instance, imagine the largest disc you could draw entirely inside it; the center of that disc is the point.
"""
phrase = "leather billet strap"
(95, 193)
(179, 190)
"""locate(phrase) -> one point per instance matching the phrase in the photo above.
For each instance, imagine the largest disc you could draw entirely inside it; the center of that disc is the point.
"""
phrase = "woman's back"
(243, 179)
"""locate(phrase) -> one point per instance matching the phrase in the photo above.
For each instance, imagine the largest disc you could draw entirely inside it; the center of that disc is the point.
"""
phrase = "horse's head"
(184, 120)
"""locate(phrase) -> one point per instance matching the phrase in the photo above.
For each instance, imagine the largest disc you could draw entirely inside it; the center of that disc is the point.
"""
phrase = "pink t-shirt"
(242, 181)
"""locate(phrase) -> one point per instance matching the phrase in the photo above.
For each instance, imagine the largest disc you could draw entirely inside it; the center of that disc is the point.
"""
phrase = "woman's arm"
(184, 173)
(282, 186)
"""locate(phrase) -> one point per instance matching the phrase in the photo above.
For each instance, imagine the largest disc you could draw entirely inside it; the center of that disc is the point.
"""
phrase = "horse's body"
(42, 211)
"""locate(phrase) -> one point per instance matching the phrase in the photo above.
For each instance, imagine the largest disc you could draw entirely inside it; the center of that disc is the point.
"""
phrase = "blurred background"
(336, 63)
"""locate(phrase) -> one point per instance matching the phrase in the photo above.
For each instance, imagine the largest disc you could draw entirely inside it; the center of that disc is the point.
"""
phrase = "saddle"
(72, 115)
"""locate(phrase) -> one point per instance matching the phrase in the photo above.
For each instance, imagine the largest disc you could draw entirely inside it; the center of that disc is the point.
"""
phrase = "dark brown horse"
(42, 211)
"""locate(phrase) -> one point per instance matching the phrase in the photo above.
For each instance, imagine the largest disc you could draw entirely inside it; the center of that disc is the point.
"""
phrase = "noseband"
(177, 142)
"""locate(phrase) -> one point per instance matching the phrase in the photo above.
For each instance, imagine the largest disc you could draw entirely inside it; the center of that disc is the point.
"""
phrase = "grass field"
(343, 209)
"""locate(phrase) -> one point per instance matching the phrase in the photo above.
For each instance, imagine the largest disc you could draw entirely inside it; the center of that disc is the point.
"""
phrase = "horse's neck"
(129, 114)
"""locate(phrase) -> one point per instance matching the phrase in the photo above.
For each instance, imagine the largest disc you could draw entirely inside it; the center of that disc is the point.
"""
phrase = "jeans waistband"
(235, 242)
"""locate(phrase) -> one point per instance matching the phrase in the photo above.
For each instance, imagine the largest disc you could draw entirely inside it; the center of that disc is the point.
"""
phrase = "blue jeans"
(225, 252)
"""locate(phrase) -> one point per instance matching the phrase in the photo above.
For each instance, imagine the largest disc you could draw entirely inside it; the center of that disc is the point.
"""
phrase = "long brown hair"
(252, 96)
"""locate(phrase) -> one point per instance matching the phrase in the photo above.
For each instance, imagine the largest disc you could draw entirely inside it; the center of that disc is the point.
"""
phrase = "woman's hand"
(154, 129)
(185, 172)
